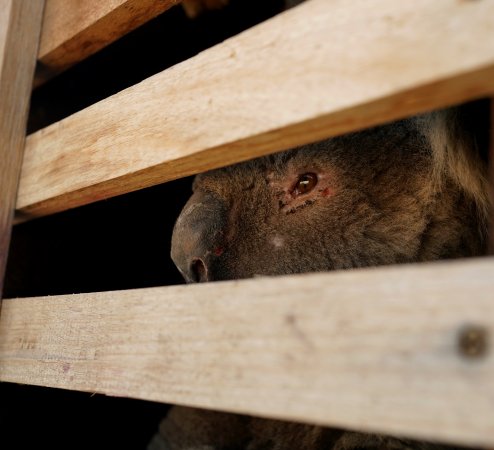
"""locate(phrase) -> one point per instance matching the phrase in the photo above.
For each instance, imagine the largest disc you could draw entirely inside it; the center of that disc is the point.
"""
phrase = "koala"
(409, 191)
(413, 190)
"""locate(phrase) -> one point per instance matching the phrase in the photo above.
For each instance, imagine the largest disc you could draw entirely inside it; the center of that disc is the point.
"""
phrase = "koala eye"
(304, 184)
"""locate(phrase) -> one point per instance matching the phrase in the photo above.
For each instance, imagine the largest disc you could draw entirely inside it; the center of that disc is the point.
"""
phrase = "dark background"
(119, 243)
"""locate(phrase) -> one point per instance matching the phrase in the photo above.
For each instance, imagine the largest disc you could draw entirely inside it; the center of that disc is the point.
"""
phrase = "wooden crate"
(315, 71)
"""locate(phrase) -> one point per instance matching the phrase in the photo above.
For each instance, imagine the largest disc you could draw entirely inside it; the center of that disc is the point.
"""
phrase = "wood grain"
(73, 30)
(312, 72)
(20, 23)
(375, 349)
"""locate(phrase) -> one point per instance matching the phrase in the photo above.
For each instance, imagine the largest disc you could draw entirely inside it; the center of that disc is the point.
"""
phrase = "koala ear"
(456, 154)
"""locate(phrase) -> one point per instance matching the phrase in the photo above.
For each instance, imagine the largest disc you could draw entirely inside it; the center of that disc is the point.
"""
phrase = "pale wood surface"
(73, 29)
(320, 69)
(373, 349)
(20, 23)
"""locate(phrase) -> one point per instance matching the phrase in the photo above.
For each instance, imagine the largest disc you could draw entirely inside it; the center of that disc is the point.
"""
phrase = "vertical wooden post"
(20, 24)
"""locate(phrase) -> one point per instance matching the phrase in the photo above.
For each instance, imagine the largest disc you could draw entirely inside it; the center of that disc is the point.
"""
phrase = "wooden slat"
(74, 29)
(320, 69)
(377, 349)
(20, 23)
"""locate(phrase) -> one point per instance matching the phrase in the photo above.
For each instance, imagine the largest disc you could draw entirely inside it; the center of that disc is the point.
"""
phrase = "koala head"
(367, 198)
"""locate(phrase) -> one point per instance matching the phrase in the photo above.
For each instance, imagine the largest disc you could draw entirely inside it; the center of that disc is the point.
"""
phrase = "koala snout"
(198, 235)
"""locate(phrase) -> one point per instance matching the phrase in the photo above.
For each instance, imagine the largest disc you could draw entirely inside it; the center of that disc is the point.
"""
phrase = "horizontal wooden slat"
(374, 349)
(73, 29)
(320, 69)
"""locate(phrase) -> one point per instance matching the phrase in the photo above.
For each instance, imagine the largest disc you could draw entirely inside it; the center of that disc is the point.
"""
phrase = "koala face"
(364, 199)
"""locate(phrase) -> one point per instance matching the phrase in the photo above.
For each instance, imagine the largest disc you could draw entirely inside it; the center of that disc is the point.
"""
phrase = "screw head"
(473, 341)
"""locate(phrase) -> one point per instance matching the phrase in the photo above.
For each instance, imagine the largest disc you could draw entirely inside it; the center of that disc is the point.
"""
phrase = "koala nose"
(198, 235)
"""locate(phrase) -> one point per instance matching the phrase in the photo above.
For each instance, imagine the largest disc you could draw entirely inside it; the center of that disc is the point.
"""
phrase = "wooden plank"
(315, 71)
(404, 350)
(73, 29)
(20, 23)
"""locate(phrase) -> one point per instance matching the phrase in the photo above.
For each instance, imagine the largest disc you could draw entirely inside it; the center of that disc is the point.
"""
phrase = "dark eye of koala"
(305, 184)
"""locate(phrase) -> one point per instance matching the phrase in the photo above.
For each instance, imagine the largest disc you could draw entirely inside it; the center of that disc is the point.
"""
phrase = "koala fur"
(413, 190)
(194, 8)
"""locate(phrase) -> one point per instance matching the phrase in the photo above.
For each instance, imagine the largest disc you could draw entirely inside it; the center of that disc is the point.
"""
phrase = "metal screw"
(473, 341)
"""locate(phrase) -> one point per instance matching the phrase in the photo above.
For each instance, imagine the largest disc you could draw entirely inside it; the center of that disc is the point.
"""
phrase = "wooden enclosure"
(314, 71)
